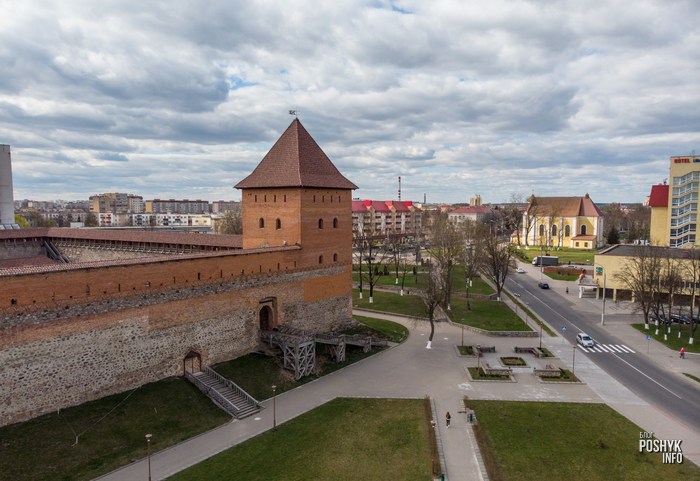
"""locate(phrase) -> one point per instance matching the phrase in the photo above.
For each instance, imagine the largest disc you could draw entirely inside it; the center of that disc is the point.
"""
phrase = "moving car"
(584, 339)
(543, 285)
(520, 270)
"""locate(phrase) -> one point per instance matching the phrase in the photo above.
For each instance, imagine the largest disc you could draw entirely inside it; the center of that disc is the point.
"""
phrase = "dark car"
(543, 285)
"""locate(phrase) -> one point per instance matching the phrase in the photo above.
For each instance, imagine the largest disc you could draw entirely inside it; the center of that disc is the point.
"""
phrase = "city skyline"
(491, 98)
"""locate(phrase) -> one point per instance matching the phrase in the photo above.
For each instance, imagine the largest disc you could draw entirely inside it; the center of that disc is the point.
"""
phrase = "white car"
(520, 270)
(584, 339)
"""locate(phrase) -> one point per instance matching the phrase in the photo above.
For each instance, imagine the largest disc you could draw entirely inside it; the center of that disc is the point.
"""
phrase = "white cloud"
(182, 99)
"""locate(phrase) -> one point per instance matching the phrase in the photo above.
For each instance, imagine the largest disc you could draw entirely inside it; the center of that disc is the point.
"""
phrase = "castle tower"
(7, 205)
(297, 196)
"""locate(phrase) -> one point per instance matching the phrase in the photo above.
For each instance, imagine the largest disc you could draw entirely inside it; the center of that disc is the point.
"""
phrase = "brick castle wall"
(55, 363)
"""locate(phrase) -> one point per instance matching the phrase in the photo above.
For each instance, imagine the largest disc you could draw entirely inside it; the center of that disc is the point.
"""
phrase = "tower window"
(335, 257)
(278, 224)
(320, 259)
(320, 223)
(261, 223)
(335, 223)
(583, 230)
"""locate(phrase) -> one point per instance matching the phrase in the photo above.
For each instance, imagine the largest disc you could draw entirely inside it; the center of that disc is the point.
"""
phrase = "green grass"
(256, 373)
(565, 254)
(513, 361)
(41, 449)
(561, 277)
(566, 376)
(482, 376)
(523, 441)
(409, 305)
(419, 281)
(673, 342)
(343, 440)
(694, 378)
(487, 315)
(466, 350)
(390, 330)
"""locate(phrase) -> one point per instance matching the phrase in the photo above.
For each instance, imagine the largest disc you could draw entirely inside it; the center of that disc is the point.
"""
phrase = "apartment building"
(385, 217)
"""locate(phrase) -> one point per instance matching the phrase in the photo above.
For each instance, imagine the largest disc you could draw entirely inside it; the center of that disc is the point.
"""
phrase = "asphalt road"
(634, 370)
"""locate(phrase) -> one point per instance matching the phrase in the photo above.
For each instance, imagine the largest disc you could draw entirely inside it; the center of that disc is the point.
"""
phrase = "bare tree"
(641, 274)
(433, 295)
(448, 244)
(372, 262)
(497, 262)
(231, 222)
(530, 218)
(671, 280)
(693, 273)
(472, 256)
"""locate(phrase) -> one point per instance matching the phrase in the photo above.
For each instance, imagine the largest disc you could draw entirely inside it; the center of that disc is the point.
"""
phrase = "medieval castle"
(88, 313)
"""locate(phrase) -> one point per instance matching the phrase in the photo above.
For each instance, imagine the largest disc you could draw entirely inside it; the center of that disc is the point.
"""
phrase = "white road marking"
(646, 376)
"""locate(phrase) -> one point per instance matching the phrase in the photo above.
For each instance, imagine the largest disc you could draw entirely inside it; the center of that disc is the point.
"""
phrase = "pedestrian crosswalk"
(609, 348)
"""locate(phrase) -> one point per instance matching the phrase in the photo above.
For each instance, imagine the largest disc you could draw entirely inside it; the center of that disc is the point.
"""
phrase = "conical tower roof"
(296, 160)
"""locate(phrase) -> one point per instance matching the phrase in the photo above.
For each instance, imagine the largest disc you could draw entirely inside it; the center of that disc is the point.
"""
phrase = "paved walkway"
(412, 371)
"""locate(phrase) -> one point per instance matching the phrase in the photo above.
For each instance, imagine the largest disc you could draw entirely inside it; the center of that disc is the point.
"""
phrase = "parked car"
(520, 270)
(543, 285)
(662, 318)
(584, 339)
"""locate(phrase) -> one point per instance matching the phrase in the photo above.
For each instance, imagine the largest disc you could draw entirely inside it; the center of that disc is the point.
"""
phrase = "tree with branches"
(641, 274)
(433, 295)
(497, 261)
(448, 244)
(472, 254)
(372, 262)
(231, 222)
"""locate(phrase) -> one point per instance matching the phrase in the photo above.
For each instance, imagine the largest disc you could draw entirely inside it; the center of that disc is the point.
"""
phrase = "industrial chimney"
(7, 203)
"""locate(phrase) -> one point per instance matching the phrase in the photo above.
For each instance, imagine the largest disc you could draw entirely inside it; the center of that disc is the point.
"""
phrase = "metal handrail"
(214, 394)
(233, 386)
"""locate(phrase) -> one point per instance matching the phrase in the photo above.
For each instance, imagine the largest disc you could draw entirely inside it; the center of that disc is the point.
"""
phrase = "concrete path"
(412, 371)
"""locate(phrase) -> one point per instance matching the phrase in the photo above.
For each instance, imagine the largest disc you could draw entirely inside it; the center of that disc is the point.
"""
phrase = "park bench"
(497, 371)
(483, 349)
(535, 351)
(548, 371)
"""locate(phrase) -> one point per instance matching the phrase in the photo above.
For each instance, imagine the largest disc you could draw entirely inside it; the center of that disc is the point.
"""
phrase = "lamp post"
(274, 408)
(462, 332)
(148, 448)
(573, 363)
(600, 269)
(540, 334)
(541, 262)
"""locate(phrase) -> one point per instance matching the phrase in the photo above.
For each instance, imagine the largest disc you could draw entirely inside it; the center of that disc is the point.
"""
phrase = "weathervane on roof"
(294, 113)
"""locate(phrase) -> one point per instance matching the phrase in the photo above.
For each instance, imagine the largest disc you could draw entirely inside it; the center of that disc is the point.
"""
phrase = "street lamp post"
(573, 363)
(462, 332)
(274, 408)
(148, 447)
(540, 334)
(602, 316)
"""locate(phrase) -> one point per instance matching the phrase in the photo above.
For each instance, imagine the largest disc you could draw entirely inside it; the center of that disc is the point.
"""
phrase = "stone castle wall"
(53, 362)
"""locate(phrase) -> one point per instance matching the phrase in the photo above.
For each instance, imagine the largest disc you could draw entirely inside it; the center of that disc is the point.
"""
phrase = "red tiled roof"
(380, 206)
(296, 160)
(658, 196)
(471, 209)
(566, 206)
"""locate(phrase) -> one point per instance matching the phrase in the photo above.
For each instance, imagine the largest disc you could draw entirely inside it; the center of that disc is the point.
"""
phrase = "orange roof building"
(562, 222)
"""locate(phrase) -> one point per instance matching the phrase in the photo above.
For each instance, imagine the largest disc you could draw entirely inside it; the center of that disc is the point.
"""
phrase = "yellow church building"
(561, 222)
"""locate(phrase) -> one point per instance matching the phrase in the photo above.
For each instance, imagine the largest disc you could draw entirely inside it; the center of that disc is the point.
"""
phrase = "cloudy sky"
(181, 99)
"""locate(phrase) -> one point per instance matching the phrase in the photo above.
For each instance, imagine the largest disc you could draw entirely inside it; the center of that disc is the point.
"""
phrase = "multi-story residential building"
(562, 222)
(470, 212)
(674, 207)
(221, 206)
(383, 218)
(173, 206)
(115, 202)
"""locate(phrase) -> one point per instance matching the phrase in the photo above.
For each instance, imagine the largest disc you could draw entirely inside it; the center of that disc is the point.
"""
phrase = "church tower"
(296, 196)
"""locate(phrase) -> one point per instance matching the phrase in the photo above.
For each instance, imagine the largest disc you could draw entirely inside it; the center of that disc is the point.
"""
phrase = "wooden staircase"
(225, 393)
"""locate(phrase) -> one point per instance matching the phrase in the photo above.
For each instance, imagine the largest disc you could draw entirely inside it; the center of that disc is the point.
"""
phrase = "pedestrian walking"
(682, 357)
(448, 418)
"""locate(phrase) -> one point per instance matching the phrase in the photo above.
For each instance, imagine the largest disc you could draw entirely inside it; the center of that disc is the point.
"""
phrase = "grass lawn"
(673, 341)
(530, 315)
(409, 305)
(561, 277)
(411, 281)
(694, 378)
(466, 350)
(513, 361)
(523, 441)
(487, 315)
(256, 373)
(565, 254)
(566, 376)
(345, 439)
(41, 449)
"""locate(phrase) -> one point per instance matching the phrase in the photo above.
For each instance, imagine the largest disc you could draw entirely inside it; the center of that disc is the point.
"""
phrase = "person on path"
(682, 357)
(448, 418)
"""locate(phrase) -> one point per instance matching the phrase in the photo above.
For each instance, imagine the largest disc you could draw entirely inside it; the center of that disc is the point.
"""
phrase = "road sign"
(563, 328)
(599, 271)
(648, 338)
